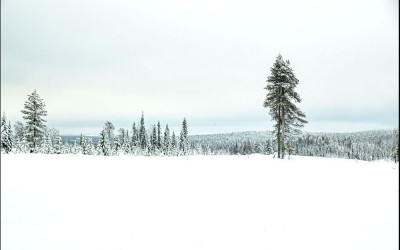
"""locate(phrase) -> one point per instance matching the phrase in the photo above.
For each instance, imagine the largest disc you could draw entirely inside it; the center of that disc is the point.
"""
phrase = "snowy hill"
(197, 202)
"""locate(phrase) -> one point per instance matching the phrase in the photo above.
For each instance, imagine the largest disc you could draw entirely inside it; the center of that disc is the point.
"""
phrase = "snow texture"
(197, 202)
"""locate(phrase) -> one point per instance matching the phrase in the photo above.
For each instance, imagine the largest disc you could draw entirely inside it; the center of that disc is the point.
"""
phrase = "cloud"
(208, 60)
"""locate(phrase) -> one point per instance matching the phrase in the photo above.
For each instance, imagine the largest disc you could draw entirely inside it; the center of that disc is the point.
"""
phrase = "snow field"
(197, 202)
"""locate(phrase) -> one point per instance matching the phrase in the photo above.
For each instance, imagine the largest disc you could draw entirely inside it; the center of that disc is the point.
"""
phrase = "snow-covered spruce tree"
(135, 136)
(142, 134)
(109, 130)
(3, 131)
(90, 147)
(280, 100)
(183, 140)
(34, 110)
(7, 141)
(54, 134)
(84, 147)
(173, 144)
(23, 145)
(153, 141)
(46, 144)
(159, 136)
(116, 146)
(74, 148)
(3, 121)
(121, 136)
(235, 149)
(198, 150)
(81, 140)
(124, 139)
(268, 147)
(147, 149)
(66, 148)
(18, 131)
(18, 134)
(258, 149)
(167, 143)
(103, 147)
(6, 135)
(150, 142)
(57, 145)
(10, 137)
(127, 148)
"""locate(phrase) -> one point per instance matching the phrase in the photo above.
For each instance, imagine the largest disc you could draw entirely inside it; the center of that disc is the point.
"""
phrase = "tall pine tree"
(142, 133)
(153, 139)
(158, 136)
(183, 140)
(135, 136)
(167, 143)
(34, 110)
(173, 143)
(280, 100)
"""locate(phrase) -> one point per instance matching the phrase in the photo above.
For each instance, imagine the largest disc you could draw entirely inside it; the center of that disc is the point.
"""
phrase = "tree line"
(35, 137)
(140, 142)
(366, 145)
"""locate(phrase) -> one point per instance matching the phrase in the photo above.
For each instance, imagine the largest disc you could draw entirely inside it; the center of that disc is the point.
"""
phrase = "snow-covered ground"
(198, 202)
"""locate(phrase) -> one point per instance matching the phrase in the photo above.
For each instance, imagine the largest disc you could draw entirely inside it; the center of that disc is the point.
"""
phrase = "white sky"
(93, 61)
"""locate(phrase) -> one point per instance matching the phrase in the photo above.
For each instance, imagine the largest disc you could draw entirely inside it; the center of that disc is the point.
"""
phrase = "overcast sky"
(93, 61)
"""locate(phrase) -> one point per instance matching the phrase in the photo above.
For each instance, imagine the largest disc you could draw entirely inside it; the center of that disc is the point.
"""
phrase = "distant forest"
(367, 146)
